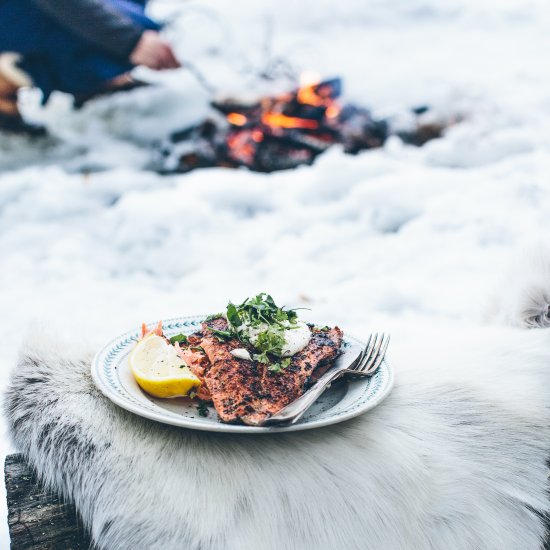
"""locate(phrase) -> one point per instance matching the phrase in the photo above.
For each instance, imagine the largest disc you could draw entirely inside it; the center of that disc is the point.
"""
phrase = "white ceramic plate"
(112, 375)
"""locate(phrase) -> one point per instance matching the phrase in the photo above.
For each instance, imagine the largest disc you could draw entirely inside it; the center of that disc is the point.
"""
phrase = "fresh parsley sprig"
(270, 341)
(260, 309)
(222, 335)
(178, 338)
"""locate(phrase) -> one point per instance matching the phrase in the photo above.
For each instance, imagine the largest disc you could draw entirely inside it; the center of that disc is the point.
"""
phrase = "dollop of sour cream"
(297, 336)
(241, 353)
(296, 339)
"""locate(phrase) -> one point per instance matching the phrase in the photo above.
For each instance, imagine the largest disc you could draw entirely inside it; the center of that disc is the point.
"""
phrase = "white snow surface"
(399, 238)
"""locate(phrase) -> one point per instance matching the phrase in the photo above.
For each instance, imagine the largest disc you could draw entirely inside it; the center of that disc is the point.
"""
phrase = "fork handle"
(293, 412)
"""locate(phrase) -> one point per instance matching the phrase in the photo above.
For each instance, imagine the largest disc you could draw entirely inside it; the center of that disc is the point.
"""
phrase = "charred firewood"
(281, 132)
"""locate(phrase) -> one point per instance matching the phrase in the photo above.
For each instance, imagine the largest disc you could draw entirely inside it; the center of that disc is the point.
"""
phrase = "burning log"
(280, 132)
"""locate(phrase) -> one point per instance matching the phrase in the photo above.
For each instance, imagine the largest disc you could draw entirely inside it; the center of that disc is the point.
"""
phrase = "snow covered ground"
(93, 244)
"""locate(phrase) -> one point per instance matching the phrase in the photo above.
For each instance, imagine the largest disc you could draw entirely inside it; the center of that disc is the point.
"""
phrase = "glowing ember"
(332, 111)
(236, 119)
(308, 96)
(283, 121)
(257, 136)
(240, 147)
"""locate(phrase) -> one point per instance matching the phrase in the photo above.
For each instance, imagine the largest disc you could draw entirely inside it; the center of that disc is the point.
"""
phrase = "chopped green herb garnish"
(258, 310)
(286, 362)
(270, 341)
(178, 338)
(197, 348)
(278, 367)
(221, 334)
(233, 315)
(203, 409)
(270, 321)
(214, 316)
(261, 312)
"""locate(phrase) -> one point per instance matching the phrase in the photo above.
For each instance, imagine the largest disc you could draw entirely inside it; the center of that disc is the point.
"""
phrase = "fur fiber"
(454, 459)
(523, 299)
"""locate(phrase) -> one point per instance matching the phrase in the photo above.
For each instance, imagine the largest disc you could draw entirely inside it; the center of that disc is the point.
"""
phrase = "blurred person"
(82, 47)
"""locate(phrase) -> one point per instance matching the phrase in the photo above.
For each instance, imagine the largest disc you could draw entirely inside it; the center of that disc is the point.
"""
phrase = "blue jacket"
(74, 46)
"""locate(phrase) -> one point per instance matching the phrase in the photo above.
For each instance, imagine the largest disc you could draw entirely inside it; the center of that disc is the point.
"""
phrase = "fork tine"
(368, 353)
(361, 356)
(357, 360)
(367, 365)
(381, 354)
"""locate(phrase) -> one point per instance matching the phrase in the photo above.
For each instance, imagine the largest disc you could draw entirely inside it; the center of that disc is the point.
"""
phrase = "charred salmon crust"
(247, 391)
(233, 383)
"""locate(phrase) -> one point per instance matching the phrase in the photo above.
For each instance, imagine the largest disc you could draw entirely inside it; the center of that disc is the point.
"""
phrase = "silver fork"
(365, 365)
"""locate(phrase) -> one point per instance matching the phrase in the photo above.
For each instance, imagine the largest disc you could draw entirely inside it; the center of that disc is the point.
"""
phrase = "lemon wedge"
(159, 370)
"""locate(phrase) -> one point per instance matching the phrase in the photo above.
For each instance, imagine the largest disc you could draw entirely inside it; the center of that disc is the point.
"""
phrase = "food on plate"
(253, 359)
(159, 370)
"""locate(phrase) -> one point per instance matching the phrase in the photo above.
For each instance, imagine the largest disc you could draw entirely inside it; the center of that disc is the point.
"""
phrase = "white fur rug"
(455, 458)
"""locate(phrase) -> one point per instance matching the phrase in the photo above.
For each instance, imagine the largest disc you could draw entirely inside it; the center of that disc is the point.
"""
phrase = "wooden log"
(38, 519)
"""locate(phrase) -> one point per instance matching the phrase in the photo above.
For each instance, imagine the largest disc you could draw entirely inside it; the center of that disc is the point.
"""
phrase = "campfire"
(280, 132)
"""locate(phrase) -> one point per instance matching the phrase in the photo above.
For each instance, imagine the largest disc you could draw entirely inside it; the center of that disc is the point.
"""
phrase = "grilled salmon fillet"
(247, 391)
(197, 361)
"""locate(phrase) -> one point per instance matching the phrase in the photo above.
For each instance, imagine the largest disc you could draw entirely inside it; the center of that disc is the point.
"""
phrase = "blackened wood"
(38, 519)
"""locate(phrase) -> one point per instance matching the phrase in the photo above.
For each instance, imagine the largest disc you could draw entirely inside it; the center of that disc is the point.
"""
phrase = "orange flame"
(308, 96)
(332, 111)
(236, 119)
(312, 94)
(283, 121)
